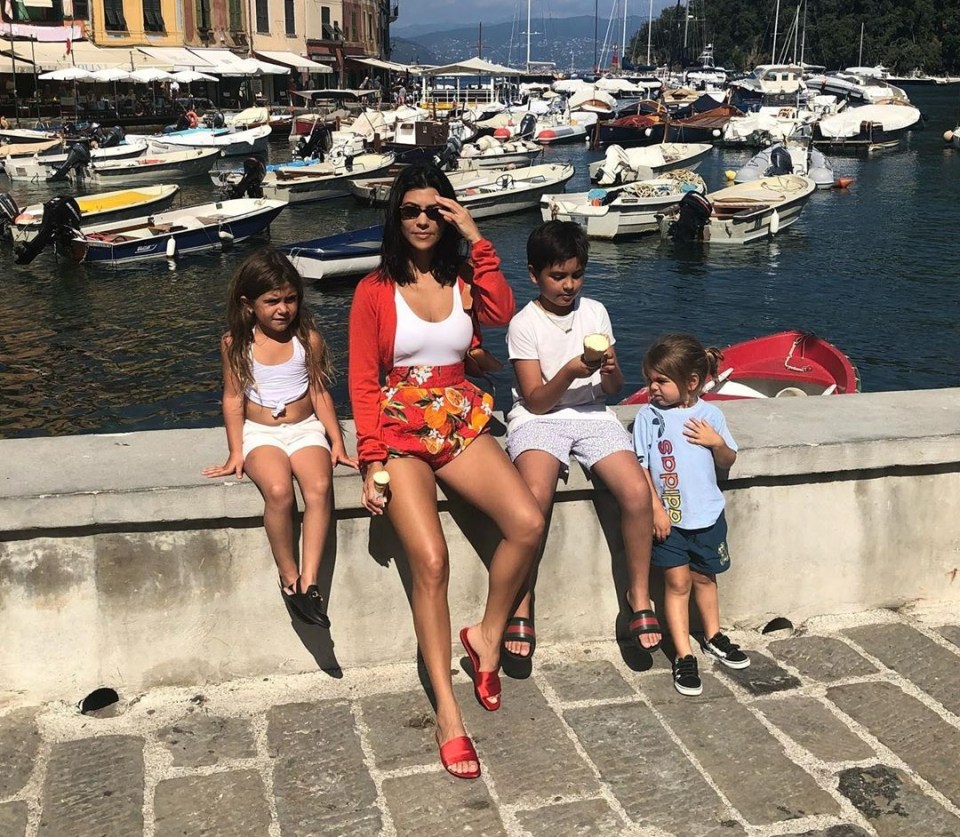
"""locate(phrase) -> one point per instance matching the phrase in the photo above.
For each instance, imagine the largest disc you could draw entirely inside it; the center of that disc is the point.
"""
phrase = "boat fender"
(730, 174)
(789, 392)
(774, 223)
(715, 133)
(171, 248)
(647, 132)
(225, 236)
(948, 136)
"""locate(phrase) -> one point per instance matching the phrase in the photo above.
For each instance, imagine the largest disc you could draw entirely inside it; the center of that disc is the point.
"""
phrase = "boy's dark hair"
(553, 242)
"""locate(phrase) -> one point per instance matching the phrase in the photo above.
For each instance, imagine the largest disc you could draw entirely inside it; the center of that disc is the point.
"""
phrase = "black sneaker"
(725, 651)
(686, 678)
(309, 606)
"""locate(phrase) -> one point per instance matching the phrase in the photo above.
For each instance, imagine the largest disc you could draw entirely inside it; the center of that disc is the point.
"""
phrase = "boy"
(559, 410)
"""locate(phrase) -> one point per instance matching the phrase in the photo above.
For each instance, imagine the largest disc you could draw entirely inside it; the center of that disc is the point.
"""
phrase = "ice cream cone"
(594, 345)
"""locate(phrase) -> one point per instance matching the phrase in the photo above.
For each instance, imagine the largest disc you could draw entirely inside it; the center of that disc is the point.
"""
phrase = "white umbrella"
(113, 74)
(190, 76)
(148, 75)
(67, 74)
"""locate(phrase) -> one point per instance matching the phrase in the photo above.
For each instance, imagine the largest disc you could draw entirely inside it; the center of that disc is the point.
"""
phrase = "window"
(81, 10)
(152, 16)
(354, 28)
(236, 16)
(290, 17)
(263, 17)
(326, 28)
(113, 12)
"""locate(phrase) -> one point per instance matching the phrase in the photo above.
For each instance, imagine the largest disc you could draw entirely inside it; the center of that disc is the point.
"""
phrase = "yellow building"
(136, 23)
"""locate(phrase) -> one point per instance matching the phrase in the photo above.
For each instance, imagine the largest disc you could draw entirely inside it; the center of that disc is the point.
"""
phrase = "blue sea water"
(874, 269)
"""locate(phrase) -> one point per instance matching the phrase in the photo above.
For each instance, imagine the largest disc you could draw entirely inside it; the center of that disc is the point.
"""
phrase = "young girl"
(280, 418)
(681, 442)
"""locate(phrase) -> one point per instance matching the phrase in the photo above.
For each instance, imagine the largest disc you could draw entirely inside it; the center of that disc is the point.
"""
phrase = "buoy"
(948, 136)
(716, 132)
(730, 174)
(502, 133)
(842, 182)
(171, 248)
(774, 222)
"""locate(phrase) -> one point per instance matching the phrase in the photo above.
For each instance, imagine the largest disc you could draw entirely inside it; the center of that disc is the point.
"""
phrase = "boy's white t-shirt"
(684, 474)
(537, 335)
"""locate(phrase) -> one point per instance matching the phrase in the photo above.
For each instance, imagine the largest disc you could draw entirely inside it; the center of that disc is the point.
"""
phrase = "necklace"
(564, 323)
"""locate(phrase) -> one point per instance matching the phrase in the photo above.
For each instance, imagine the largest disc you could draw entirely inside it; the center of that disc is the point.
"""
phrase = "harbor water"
(873, 269)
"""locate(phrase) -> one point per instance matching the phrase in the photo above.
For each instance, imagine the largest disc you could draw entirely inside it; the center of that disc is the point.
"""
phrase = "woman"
(412, 321)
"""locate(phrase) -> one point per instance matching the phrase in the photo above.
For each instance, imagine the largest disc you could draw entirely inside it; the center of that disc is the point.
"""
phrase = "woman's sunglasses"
(410, 211)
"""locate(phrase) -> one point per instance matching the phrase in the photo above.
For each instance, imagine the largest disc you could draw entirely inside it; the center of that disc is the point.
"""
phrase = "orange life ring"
(192, 119)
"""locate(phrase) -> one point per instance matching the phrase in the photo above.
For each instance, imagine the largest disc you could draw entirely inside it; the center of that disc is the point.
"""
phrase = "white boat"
(40, 167)
(154, 168)
(625, 165)
(228, 142)
(859, 88)
(490, 152)
(100, 208)
(632, 209)
(865, 128)
(739, 214)
(789, 158)
(20, 135)
(485, 192)
(322, 181)
(352, 253)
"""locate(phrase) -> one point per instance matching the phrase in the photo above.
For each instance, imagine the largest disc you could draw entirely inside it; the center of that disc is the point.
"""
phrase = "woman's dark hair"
(395, 251)
(680, 357)
(261, 272)
(554, 242)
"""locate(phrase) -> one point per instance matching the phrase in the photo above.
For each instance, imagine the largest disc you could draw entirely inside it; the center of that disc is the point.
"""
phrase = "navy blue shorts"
(705, 550)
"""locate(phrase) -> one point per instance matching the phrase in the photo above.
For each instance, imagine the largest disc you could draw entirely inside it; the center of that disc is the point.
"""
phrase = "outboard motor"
(447, 159)
(315, 144)
(8, 212)
(78, 159)
(218, 120)
(61, 222)
(251, 184)
(780, 162)
(111, 137)
(528, 125)
(694, 215)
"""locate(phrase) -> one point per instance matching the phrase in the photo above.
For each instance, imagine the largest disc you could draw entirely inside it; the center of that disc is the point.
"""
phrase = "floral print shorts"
(432, 412)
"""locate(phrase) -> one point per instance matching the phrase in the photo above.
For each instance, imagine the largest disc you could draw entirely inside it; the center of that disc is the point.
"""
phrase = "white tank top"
(422, 343)
(276, 385)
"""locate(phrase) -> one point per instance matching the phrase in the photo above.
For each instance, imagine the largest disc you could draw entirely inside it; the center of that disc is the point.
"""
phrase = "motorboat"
(352, 253)
(154, 168)
(163, 235)
(99, 208)
(791, 158)
(865, 128)
(322, 181)
(484, 192)
(227, 141)
(784, 365)
(621, 165)
(739, 214)
(25, 135)
(490, 152)
(646, 128)
(28, 149)
(42, 167)
(631, 209)
(858, 88)
(769, 86)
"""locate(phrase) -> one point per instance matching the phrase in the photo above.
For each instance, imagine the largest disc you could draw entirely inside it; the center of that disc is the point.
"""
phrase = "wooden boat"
(322, 181)
(100, 207)
(154, 168)
(353, 253)
(227, 141)
(485, 192)
(174, 233)
(631, 209)
(739, 214)
(40, 167)
(791, 363)
(621, 165)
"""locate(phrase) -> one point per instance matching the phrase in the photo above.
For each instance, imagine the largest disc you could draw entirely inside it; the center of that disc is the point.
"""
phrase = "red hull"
(788, 363)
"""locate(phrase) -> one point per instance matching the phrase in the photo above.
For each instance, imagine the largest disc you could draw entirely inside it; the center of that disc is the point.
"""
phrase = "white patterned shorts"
(288, 437)
(588, 441)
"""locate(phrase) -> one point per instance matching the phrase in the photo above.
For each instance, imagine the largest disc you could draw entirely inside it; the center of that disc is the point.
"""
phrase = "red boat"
(779, 365)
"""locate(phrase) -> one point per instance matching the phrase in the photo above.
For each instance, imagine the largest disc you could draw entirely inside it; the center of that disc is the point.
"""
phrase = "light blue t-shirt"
(684, 474)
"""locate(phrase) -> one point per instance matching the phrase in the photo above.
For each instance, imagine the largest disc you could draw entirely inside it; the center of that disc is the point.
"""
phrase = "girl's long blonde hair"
(264, 271)
(680, 357)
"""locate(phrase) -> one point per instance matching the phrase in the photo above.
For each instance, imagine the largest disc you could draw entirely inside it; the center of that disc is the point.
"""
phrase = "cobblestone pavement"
(849, 726)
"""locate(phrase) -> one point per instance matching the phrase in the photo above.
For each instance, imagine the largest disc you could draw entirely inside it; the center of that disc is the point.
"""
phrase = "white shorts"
(288, 437)
(588, 441)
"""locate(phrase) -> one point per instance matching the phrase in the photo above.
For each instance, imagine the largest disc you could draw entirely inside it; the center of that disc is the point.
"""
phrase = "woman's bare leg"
(269, 468)
(314, 473)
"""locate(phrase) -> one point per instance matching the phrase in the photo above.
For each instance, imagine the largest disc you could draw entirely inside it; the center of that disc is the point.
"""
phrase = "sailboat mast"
(860, 58)
(623, 42)
(649, 33)
(528, 35)
(803, 37)
(776, 23)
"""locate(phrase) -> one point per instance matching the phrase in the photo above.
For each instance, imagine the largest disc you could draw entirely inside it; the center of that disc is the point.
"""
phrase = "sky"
(461, 12)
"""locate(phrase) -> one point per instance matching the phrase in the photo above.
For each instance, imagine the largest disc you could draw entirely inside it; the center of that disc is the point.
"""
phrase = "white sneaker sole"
(731, 663)
(687, 691)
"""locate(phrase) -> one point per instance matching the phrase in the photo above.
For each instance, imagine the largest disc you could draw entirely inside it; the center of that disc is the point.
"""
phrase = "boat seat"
(209, 220)
(159, 229)
(730, 210)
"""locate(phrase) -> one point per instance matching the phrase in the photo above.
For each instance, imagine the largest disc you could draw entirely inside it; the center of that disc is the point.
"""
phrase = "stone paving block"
(929, 666)
(647, 772)
(576, 819)
(762, 677)
(894, 805)
(401, 729)
(587, 680)
(919, 736)
(13, 819)
(815, 728)
(200, 740)
(320, 781)
(951, 633)
(524, 746)
(436, 803)
(19, 742)
(231, 804)
(94, 787)
(822, 658)
(744, 759)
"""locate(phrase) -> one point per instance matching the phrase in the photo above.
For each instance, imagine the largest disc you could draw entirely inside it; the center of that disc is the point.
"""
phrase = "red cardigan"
(373, 328)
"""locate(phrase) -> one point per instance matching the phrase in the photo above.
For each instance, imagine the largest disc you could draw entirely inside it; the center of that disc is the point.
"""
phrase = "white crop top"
(422, 343)
(276, 385)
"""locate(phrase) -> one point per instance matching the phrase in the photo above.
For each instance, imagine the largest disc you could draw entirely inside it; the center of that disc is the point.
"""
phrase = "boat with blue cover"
(351, 253)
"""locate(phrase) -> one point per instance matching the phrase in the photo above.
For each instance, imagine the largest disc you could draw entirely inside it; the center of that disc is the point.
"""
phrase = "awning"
(217, 56)
(385, 65)
(296, 62)
(176, 58)
(54, 56)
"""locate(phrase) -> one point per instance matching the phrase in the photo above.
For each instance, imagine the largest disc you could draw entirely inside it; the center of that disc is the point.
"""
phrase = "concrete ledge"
(121, 564)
